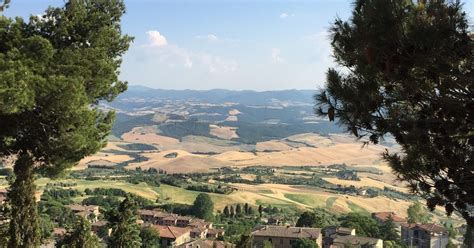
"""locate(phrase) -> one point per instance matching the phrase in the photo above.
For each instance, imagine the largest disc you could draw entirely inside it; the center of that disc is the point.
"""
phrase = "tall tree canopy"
(79, 236)
(125, 230)
(364, 225)
(417, 213)
(54, 69)
(203, 207)
(409, 74)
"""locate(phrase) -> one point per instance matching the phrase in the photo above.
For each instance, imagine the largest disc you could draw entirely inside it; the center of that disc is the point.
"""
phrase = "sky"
(225, 44)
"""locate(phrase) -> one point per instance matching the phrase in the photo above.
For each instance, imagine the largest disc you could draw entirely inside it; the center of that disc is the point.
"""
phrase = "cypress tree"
(238, 210)
(226, 211)
(125, 230)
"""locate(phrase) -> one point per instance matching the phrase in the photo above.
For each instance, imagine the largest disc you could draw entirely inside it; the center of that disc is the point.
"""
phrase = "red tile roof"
(289, 232)
(383, 216)
(171, 232)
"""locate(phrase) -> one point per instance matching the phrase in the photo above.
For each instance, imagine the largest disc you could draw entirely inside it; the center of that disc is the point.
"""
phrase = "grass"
(356, 208)
(308, 200)
(330, 202)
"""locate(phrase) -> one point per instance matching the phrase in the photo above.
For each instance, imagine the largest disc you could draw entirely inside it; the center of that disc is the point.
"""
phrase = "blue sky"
(231, 44)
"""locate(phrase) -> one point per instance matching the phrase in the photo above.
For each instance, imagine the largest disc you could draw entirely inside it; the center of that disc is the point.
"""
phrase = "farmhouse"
(173, 236)
(285, 236)
(89, 212)
(425, 235)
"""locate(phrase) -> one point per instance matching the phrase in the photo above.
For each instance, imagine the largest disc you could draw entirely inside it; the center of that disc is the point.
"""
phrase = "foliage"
(123, 221)
(318, 218)
(244, 242)
(365, 225)
(417, 213)
(105, 202)
(79, 236)
(138, 147)
(409, 75)
(388, 230)
(203, 207)
(53, 74)
(305, 243)
(469, 237)
(150, 237)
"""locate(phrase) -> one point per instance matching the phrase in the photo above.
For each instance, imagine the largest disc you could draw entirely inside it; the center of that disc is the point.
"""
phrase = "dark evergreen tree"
(52, 76)
(150, 238)
(246, 208)
(125, 230)
(469, 237)
(388, 230)
(226, 211)
(80, 236)
(260, 210)
(409, 75)
(203, 207)
(238, 210)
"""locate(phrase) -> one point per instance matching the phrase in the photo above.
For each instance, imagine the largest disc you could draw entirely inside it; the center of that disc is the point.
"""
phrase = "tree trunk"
(24, 225)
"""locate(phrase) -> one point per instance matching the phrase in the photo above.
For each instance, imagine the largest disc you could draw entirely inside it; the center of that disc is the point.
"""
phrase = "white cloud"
(155, 39)
(159, 51)
(284, 15)
(208, 37)
(276, 56)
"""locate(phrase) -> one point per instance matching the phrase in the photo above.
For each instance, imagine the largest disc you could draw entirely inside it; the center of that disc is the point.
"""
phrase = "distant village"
(189, 232)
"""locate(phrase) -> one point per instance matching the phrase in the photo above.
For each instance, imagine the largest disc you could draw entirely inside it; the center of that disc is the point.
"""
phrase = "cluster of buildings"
(177, 230)
(412, 235)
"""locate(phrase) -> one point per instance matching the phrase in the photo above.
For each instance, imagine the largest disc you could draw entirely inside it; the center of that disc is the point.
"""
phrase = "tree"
(388, 230)
(319, 218)
(125, 230)
(305, 243)
(260, 210)
(150, 238)
(391, 244)
(79, 236)
(266, 244)
(244, 242)
(409, 76)
(469, 237)
(238, 210)
(246, 208)
(226, 211)
(417, 213)
(365, 225)
(52, 76)
(203, 207)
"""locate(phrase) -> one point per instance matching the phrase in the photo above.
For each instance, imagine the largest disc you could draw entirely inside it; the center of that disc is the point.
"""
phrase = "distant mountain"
(246, 97)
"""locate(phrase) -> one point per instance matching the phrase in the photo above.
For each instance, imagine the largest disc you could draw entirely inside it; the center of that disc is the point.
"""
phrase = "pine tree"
(125, 230)
(260, 210)
(409, 76)
(80, 236)
(50, 87)
(246, 208)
